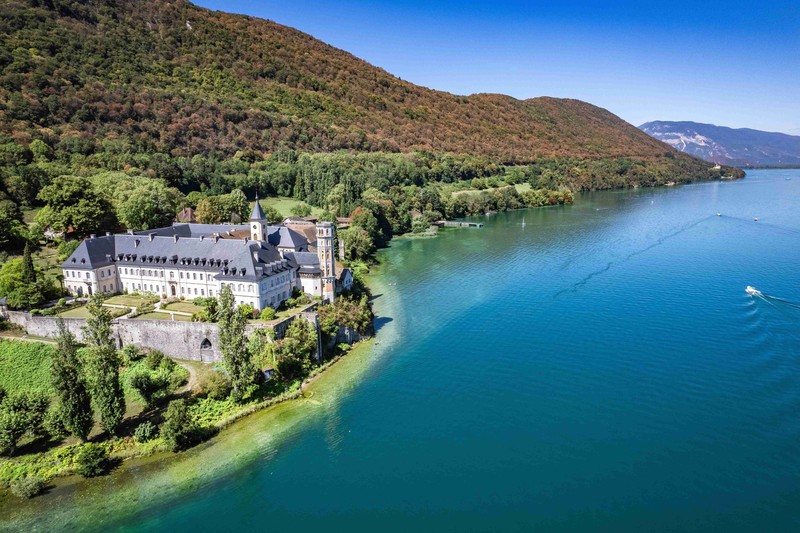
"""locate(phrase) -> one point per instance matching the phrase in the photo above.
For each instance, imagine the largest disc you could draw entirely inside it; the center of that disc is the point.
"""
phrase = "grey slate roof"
(307, 262)
(258, 213)
(276, 235)
(231, 259)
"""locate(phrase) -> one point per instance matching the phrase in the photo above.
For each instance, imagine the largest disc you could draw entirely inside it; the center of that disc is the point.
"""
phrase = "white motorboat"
(752, 291)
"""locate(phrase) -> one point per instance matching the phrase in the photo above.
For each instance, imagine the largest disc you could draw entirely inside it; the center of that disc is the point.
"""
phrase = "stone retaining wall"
(194, 341)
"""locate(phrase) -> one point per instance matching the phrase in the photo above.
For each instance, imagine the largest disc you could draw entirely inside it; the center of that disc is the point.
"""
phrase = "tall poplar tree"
(102, 366)
(233, 344)
(76, 404)
(28, 272)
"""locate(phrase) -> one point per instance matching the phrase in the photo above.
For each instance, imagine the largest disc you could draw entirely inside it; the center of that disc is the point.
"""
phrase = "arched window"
(205, 345)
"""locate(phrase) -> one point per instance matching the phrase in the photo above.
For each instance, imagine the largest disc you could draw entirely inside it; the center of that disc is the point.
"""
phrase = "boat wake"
(774, 300)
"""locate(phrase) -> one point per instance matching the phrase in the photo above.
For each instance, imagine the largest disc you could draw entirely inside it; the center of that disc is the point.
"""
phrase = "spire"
(258, 213)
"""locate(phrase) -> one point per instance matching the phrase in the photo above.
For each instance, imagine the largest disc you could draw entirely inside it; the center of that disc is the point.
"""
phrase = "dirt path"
(27, 339)
(192, 377)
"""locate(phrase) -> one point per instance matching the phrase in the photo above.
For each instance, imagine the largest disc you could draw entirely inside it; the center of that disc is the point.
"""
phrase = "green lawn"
(82, 312)
(25, 366)
(284, 205)
(183, 307)
(131, 300)
(163, 316)
(521, 187)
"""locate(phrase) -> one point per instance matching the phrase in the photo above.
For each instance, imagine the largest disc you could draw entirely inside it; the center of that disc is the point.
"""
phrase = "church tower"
(326, 233)
(258, 223)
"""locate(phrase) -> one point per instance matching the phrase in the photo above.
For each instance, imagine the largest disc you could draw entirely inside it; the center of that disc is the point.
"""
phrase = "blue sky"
(731, 63)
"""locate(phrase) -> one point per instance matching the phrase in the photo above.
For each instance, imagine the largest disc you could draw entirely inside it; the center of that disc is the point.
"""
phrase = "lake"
(597, 368)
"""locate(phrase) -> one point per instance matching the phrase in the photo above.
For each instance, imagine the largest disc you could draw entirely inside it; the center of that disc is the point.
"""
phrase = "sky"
(732, 63)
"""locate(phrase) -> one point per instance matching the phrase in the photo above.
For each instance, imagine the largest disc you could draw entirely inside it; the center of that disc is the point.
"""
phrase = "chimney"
(245, 240)
(175, 238)
(108, 234)
(130, 232)
(93, 236)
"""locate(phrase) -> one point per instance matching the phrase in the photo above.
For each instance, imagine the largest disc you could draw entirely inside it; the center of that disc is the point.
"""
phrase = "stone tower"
(258, 223)
(326, 233)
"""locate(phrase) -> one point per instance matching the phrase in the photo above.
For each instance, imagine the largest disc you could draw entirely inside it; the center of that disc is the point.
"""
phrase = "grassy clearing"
(132, 300)
(82, 312)
(183, 307)
(25, 366)
(284, 205)
(163, 316)
(521, 187)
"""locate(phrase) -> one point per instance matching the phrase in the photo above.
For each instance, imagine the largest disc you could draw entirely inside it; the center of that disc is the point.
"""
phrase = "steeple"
(258, 213)
(258, 223)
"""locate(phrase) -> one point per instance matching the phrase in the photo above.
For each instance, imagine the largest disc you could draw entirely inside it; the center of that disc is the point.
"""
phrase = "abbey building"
(261, 263)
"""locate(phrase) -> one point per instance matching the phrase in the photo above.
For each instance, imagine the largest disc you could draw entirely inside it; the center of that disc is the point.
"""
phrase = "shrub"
(28, 487)
(129, 354)
(54, 423)
(145, 431)
(267, 314)
(154, 359)
(177, 430)
(148, 385)
(92, 460)
(61, 302)
(214, 385)
(247, 310)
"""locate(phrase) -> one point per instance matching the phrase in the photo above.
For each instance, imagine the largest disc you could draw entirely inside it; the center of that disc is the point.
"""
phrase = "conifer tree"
(66, 378)
(102, 366)
(28, 272)
(233, 343)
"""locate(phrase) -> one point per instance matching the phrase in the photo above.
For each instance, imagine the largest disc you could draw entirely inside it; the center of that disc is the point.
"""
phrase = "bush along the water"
(28, 486)
(92, 460)
(145, 431)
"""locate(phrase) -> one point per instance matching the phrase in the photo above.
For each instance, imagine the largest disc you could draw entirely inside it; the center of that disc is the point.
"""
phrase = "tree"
(233, 343)
(150, 205)
(72, 202)
(102, 366)
(20, 413)
(272, 215)
(13, 229)
(177, 430)
(236, 206)
(357, 244)
(23, 294)
(301, 210)
(210, 211)
(293, 355)
(28, 272)
(150, 386)
(66, 378)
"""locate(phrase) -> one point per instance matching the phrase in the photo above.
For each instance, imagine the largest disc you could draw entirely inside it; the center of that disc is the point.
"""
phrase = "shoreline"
(17, 513)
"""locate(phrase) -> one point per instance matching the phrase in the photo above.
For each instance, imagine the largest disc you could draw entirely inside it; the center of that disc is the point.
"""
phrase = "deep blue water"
(599, 369)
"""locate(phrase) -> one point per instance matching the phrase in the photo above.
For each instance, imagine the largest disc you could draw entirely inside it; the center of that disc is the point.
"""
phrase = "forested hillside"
(212, 102)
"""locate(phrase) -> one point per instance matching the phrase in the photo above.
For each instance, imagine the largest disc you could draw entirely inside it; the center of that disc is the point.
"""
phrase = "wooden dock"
(453, 224)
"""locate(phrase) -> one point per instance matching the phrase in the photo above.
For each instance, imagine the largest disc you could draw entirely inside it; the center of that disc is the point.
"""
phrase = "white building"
(262, 264)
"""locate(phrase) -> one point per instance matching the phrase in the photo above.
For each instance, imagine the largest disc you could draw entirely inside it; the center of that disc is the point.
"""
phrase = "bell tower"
(258, 223)
(326, 233)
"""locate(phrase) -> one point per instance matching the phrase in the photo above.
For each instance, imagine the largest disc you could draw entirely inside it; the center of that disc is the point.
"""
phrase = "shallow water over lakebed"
(599, 368)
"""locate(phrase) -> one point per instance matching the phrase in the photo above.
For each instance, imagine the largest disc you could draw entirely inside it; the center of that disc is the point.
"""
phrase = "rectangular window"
(102, 274)
(172, 275)
(195, 291)
(202, 292)
(201, 277)
(194, 275)
(182, 291)
(87, 275)
(181, 275)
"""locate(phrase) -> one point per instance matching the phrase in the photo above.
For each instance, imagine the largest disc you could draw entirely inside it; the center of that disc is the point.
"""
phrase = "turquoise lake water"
(600, 368)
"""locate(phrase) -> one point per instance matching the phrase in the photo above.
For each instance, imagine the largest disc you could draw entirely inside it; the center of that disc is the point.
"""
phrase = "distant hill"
(171, 77)
(727, 146)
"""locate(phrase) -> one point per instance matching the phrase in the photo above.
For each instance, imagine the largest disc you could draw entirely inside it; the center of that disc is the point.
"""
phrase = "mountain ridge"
(744, 147)
(273, 77)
